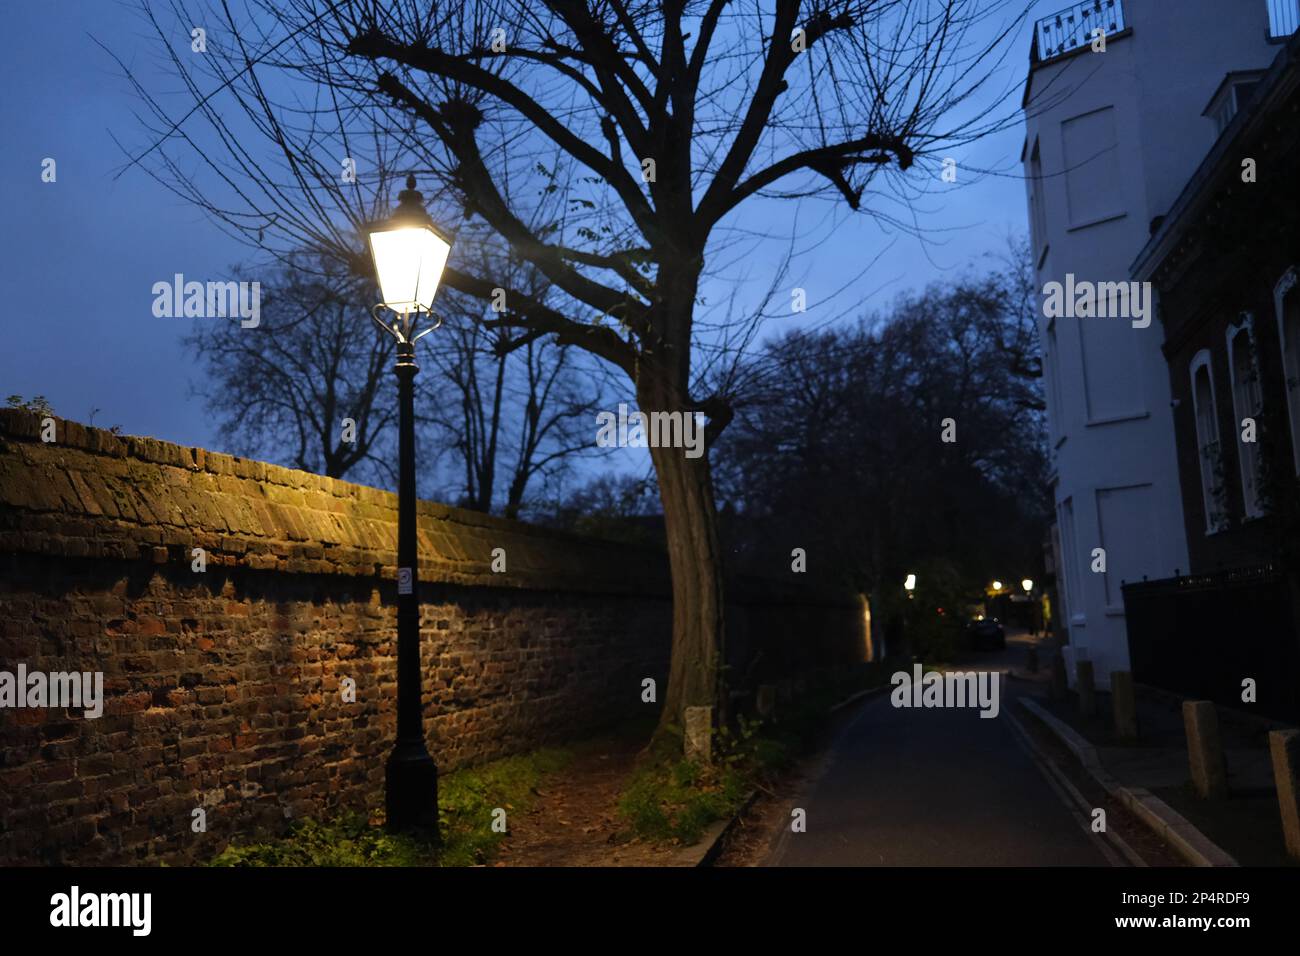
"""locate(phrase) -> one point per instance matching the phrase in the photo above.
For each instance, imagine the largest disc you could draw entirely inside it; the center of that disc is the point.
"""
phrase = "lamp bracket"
(402, 328)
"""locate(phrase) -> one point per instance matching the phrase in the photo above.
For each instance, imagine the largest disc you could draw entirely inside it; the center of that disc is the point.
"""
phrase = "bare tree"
(652, 121)
(306, 385)
(838, 448)
(310, 386)
(557, 416)
(516, 414)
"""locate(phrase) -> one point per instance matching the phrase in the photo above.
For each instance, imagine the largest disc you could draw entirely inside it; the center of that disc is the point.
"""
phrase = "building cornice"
(1278, 83)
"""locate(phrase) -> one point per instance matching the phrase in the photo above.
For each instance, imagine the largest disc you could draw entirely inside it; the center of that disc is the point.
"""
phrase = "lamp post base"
(411, 790)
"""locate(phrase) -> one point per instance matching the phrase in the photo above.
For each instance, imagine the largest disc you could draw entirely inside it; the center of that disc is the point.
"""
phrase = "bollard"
(1124, 705)
(1031, 661)
(1204, 750)
(1060, 687)
(1284, 747)
(1086, 687)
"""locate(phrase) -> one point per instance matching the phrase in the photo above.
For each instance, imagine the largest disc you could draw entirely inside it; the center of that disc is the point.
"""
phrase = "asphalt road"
(932, 787)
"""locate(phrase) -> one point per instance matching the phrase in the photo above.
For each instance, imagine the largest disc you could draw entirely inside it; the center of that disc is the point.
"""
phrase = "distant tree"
(37, 403)
(615, 506)
(510, 414)
(312, 385)
(509, 417)
(307, 385)
(840, 447)
(1011, 295)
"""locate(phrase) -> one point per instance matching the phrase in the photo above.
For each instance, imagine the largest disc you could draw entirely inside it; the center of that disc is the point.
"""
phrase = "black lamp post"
(409, 255)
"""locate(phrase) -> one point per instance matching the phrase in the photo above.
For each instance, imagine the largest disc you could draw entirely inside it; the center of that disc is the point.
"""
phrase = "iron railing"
(1073, 27)
(1200, 636)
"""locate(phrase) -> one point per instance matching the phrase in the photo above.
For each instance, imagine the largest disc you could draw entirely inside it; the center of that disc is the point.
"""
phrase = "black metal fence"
(1202, 636)
(1072, 28)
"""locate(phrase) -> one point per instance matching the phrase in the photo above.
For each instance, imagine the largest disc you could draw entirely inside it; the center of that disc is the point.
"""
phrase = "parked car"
(985, 634)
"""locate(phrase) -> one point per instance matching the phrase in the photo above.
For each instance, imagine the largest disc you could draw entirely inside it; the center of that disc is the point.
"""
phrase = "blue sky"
(80, 255)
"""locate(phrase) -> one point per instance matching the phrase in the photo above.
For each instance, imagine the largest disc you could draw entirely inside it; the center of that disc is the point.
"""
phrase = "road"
(934, 787)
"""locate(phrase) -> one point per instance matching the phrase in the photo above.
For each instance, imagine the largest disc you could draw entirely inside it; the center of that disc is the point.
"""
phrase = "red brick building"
(1223, 261)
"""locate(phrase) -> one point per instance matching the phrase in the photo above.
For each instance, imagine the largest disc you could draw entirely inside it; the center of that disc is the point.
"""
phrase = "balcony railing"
(1283, 18)
(1072, 28)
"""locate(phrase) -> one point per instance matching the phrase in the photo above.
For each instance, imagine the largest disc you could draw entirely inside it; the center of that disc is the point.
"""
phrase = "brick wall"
(223, 687)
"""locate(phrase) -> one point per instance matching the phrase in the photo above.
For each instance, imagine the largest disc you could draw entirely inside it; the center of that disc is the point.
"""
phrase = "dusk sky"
(81, 254)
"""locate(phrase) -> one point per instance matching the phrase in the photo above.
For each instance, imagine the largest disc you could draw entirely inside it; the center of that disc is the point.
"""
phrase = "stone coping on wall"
(94, 494)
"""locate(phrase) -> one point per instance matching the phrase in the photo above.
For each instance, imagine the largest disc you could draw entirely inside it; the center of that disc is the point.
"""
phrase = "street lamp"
(1028, 585)
(997, 585)
(910, 583)
(409, 255)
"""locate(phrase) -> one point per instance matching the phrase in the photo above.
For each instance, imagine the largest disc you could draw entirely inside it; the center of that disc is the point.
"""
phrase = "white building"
(1112, 137)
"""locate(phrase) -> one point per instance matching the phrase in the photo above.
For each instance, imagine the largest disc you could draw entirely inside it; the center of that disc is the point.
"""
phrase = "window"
(1207, 442)
(1092, 180)
(1247, 400)
(1124, 517)
(1058, 568)
(1070, 564)
(1223, 112)
(1053, 382)
(1114, 385)
(1037, 202)
(1286, 304)
(1229, 101)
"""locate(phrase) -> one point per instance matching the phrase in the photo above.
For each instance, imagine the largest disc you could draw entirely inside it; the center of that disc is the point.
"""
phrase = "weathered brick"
(232, 679)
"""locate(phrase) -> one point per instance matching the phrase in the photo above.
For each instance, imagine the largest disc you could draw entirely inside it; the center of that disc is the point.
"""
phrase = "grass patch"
(671, 800)
(675, 801)
(349, 839)
(468, 797)
(466, 800)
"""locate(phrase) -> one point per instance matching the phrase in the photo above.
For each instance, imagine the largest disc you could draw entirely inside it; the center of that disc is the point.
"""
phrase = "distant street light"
(1034, 611)
(910, 583)
(409, 255)
(997, 585)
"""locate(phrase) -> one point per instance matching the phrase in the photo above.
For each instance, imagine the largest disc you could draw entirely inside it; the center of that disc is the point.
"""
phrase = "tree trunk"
(696, 676)
(515, 498)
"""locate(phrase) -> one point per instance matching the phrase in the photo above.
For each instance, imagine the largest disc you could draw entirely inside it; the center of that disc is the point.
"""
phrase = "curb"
(1077, 744)
(710, 845)
(1057, 776)
(1167, 823)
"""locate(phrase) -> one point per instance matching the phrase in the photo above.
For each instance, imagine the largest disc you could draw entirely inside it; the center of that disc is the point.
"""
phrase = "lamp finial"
(410, 203)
